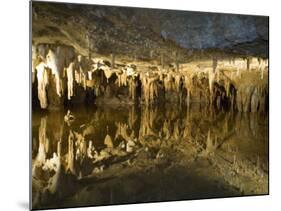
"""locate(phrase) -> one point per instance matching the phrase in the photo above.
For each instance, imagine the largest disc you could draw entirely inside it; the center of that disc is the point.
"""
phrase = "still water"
(128, 154)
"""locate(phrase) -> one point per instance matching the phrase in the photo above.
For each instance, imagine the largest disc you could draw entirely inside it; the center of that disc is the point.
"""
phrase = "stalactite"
(149, 87)
(70, 80)
(188, 86)
(42, 78)
(107, 72)
(90, 75)
(262, 70)
(238, 72)
(211, 82)
(132, 88)
(52, 62)
(248, 63)
(122, 78)
(227, 88)
(178, 82)
(34, 62)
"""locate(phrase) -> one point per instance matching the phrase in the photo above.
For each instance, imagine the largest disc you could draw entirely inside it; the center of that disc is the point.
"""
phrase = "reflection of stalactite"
(211, 143)
(81, 148)
(54, 182)
(122, 131)
(108, 141)
(70, 157)
(132, 117)
(41, 156)
(147, 122)
(251, 99)
(166, 129)
(187, 125)
(176, 130)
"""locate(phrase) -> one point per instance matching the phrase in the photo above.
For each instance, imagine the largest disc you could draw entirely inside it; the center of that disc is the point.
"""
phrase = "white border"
(15, 103)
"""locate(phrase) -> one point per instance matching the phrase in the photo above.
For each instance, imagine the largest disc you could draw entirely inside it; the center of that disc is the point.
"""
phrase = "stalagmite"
(42, 78)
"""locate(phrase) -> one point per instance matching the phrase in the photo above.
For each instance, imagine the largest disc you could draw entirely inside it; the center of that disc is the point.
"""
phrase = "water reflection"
(78, 154)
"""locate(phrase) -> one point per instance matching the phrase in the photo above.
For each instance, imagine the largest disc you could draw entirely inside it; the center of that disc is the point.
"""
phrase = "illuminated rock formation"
(42, 78)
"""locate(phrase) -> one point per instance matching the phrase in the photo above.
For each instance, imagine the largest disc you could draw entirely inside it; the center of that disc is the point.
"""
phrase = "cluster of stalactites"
(57, 62)
(54, 63)
(149, 87)
(242, 64)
